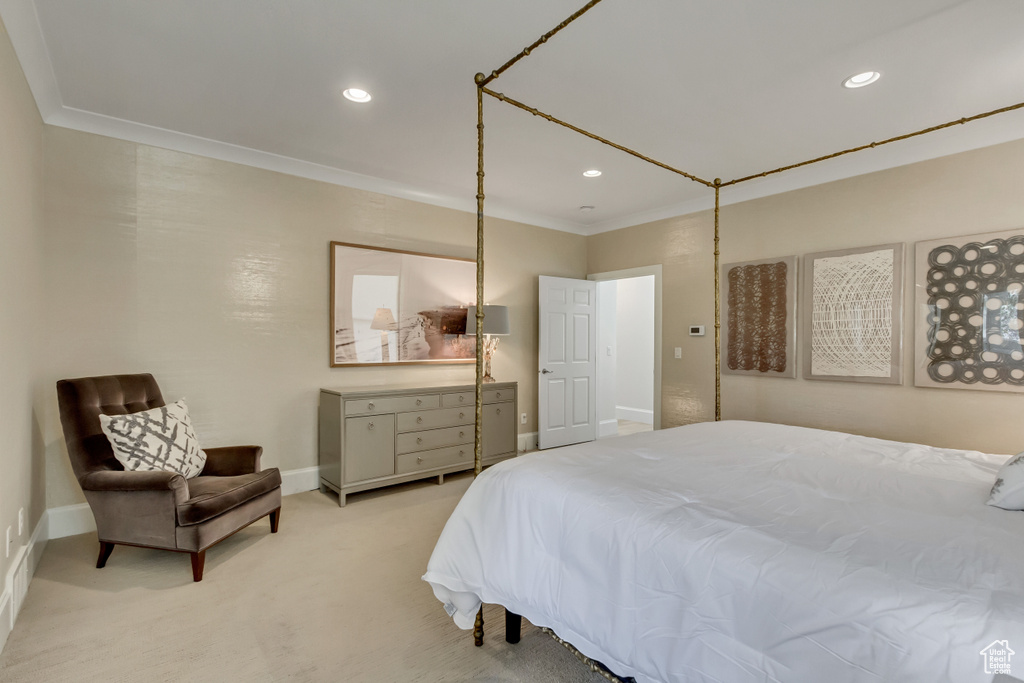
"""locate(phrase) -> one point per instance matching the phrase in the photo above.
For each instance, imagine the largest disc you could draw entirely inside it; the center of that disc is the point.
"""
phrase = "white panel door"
(567, 379)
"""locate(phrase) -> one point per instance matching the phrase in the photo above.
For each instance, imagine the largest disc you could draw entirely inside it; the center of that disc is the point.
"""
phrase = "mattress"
(738, 552)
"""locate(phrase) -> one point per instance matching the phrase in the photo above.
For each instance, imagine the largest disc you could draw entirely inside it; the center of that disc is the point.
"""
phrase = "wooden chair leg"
(105, 550)
(275, 517)
(198, 562)
(513, 627)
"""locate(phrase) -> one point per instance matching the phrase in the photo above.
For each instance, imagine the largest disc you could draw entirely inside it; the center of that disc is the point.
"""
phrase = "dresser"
(373, 436)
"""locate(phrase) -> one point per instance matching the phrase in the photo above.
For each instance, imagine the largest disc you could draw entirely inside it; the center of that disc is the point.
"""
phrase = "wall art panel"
(853, 303)
(759, 317)
(969, 312)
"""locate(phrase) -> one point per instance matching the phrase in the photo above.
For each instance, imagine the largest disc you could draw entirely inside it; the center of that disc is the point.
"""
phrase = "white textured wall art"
(854, 319)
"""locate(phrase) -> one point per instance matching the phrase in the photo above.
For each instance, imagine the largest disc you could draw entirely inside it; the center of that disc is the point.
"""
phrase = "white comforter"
(738, 551)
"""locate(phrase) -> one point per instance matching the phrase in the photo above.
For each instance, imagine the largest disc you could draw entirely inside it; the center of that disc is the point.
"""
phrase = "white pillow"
(157, 439)
(1008, 491)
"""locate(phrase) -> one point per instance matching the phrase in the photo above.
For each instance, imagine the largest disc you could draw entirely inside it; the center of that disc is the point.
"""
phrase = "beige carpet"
(335, 596)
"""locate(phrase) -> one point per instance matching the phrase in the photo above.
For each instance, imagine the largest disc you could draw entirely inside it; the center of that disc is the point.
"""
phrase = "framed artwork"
(853, 314)
(759, 302)
(393, 307)
(969, 312)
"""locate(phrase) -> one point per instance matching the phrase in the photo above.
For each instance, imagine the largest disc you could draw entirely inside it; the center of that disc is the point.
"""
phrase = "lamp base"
(488, 378)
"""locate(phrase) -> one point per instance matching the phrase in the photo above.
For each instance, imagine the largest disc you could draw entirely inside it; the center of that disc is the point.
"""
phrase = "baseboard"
(297, 481)
(70, 520)
(607, 428)
(635, 414)
(18, 578)
(528, 441)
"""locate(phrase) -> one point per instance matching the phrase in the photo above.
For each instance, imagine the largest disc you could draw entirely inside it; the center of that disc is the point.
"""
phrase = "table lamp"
(495, 323)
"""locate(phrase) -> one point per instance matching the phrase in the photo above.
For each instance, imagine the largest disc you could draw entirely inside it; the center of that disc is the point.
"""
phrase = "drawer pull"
(461, 453)
(419, 420)
(371, 406)
(369, 426)
(498, 395)
(462, 434)
(461, 398)
(419, 460)
(419, 401)
(498, 411)
(462, 415)
(419, 440)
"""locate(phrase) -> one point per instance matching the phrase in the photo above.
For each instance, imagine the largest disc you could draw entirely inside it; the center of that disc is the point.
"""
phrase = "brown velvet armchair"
(159, 509)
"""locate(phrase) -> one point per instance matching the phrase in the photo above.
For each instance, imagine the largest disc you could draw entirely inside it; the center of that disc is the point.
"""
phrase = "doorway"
(628, 350)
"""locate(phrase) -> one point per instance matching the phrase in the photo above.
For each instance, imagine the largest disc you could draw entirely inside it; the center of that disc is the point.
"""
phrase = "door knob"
(545, 371)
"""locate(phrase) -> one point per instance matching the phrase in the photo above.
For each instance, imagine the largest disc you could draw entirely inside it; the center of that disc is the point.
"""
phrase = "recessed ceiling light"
(356, 95)
(592, 173)
(860, 80)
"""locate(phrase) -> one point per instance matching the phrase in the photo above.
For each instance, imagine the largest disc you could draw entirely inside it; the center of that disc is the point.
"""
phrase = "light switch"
(679, 352)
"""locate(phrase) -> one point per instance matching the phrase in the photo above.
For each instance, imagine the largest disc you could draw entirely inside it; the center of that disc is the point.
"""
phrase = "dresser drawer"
(468, 398)
(462, 398)
(439, 457)
(391, 404)
(433, 438)
(496, 395)
(432, 419)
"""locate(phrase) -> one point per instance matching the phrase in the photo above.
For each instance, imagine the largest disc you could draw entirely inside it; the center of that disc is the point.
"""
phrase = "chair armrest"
(229, 461)
(118, 480)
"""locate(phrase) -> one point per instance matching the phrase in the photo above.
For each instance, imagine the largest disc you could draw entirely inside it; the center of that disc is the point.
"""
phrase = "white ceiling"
(718, 89)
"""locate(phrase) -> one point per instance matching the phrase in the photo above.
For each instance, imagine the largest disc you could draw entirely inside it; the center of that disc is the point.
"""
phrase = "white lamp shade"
(383, 319)
(495, 320)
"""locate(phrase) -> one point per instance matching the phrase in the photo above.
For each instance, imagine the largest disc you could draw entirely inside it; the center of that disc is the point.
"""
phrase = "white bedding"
(739, 551)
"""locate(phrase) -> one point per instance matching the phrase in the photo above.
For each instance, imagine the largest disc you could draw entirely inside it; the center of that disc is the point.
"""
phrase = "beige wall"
(21, 217)
(973, 192)
(214, 277)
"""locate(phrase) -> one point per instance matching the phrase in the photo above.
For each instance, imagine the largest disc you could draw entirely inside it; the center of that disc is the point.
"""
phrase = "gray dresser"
(376, 436)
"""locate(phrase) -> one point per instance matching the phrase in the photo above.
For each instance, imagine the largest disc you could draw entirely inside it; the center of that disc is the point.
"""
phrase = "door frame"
(641, 271)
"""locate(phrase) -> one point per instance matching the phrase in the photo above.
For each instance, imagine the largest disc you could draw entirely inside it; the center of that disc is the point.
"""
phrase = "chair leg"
(198, 562)
(275, 517)
(105, 550)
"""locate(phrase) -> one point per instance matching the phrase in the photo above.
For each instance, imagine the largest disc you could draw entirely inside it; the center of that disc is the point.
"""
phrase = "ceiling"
(719, 89)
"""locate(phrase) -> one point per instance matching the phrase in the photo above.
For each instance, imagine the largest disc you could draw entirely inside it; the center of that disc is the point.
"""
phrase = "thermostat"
(696, 330)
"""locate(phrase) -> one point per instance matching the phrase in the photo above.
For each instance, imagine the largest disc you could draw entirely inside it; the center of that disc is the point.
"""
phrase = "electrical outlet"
(21, 521)
(10, 540)
(522, 419)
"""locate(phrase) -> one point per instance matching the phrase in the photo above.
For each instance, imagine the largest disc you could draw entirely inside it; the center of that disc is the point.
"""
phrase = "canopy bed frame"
(482, 82)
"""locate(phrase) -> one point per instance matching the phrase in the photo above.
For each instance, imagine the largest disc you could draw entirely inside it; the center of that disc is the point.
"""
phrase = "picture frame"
(969, 312)
(759, 317)
(396, 307)
(852, 314)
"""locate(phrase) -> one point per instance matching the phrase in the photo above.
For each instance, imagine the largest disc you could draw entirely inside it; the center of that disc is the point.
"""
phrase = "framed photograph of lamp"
(496, 323)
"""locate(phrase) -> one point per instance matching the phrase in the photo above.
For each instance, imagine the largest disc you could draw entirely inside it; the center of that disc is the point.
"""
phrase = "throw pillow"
(157, 439)
(1008, 491)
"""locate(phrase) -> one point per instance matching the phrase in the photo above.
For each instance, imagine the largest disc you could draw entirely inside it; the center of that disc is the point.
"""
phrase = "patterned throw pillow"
(157, 439)
(1008, 492)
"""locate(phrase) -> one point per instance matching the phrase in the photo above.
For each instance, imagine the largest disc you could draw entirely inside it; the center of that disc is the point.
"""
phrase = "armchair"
(159, 509)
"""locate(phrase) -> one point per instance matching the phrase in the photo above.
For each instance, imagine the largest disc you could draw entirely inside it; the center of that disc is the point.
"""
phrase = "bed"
(739, 551)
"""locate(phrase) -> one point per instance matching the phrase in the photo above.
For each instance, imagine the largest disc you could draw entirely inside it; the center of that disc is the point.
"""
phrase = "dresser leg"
(341, 499)
(440, 479)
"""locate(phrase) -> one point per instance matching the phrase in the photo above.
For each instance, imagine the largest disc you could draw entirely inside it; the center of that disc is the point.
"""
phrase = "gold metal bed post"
(718, 316)
(478, 465)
